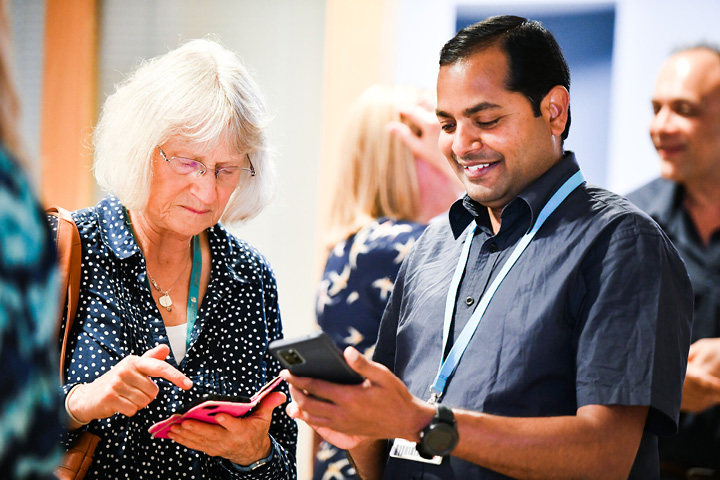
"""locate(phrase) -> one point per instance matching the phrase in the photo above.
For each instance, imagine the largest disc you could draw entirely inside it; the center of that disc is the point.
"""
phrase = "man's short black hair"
(535, 61)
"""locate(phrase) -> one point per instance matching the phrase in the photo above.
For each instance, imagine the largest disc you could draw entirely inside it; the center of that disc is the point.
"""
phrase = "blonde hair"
(200, 92)
(9, 104)
(377, 176)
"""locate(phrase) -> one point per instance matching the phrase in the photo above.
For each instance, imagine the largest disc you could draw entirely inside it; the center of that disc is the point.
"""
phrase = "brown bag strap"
(78, 458)
(69, 250)
(76, 462)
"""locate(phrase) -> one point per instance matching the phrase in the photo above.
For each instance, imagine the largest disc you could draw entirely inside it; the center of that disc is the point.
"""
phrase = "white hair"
(200, 92)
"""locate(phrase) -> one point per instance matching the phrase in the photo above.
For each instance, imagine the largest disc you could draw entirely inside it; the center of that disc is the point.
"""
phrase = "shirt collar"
(115, 229)
(535, 196)
(234, 258)
(666, 201)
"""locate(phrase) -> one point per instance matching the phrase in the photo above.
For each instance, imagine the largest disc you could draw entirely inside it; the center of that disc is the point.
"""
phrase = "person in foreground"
(391, 182)
(685, 130)
(578, 361)
(173, 307)
(30, 409)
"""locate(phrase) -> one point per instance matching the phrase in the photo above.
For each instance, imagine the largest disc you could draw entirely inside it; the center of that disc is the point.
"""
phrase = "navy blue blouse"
(227, 354)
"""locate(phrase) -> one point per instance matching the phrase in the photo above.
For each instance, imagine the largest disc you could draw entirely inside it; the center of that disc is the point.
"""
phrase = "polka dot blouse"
(228, 354)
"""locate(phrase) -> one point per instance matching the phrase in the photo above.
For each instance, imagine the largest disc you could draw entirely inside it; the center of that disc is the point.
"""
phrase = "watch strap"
(257, 464)
(444, 414)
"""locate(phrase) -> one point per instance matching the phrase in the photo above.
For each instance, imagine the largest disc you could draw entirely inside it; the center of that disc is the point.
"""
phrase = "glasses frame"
(205, 169)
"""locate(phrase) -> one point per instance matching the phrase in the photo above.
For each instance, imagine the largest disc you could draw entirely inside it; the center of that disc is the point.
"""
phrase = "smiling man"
(685, 130)
(542, 329)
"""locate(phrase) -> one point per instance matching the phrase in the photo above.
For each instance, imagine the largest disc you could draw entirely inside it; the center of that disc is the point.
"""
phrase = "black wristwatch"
(440, 437)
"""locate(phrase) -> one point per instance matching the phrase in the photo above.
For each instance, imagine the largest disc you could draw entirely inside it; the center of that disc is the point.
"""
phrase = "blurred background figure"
(392, 180)
(685, 131)
(30, 422)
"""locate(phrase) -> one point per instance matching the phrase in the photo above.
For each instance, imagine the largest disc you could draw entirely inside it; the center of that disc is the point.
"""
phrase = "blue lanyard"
(447, 367)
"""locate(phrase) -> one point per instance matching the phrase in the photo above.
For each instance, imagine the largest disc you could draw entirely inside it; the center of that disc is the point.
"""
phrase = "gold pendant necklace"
(165, 299)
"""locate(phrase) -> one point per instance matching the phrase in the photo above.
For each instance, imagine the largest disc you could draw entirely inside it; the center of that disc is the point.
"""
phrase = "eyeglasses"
(225, 176)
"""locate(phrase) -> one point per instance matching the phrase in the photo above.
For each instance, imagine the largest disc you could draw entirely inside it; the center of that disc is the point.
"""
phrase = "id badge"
(406, 450)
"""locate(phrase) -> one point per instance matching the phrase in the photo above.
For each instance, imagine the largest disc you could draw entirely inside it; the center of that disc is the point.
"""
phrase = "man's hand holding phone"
(380, 407)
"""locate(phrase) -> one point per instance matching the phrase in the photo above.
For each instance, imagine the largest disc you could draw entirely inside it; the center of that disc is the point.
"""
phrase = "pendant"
(166, 302)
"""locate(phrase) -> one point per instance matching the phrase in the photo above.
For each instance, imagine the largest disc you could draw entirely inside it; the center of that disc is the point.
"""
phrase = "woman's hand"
(126, 388)
(420, 131)
(240, 440)
(438, 184)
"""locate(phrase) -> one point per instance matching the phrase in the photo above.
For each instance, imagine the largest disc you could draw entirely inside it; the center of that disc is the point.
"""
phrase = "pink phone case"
(206, 411)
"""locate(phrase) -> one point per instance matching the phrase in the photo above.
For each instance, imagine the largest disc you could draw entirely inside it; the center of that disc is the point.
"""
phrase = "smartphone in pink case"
(206, 408)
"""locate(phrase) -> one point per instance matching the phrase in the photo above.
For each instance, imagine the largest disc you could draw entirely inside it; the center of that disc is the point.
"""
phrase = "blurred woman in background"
(392, 180)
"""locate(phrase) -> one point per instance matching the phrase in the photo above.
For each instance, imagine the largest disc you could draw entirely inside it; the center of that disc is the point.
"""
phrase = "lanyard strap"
(447, 367)
(194, 292)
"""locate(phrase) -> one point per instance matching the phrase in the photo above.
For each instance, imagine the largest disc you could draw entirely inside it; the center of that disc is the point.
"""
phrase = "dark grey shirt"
(697, 443)
(596, 311)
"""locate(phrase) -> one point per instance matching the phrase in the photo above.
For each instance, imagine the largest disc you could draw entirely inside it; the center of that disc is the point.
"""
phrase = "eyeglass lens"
(226, 176)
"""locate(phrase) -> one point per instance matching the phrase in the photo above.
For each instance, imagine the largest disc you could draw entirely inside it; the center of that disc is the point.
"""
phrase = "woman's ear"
(555, 108)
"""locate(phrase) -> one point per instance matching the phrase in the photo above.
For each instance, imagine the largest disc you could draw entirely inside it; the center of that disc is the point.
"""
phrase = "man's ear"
(555, 108)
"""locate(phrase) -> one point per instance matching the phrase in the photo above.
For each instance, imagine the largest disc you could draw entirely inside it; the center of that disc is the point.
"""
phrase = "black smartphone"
(316, 356)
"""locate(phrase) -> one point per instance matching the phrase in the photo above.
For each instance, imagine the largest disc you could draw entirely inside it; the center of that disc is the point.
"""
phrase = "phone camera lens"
(291, 357)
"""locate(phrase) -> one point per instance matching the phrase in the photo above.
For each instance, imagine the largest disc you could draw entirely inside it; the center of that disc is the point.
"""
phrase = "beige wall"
(359, 51)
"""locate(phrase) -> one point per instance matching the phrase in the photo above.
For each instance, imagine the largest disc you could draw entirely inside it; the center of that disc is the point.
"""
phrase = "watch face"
(441, 436)
(440, 440)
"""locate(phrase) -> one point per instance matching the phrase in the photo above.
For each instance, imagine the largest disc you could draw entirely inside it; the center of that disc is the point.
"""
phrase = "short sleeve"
(633, 334)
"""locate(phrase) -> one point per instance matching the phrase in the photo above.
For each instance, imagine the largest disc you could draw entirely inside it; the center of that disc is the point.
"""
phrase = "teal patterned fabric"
(30, 420)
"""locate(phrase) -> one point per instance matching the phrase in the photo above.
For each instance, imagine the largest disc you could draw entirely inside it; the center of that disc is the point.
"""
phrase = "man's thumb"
(357, 361)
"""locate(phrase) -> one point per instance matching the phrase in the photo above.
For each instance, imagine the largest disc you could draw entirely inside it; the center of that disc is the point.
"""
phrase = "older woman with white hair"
(172, 306)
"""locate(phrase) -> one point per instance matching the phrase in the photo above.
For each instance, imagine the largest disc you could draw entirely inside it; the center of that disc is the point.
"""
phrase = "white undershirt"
(177, 336)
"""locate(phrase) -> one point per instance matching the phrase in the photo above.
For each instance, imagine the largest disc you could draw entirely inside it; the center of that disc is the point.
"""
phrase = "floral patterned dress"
(352, 295)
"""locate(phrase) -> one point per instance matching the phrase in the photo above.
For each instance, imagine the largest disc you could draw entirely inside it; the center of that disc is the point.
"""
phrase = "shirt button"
(493, 247)
(469, 301)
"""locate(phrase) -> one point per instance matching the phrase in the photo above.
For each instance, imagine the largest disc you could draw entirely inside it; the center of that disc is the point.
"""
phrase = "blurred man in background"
(685, 130)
